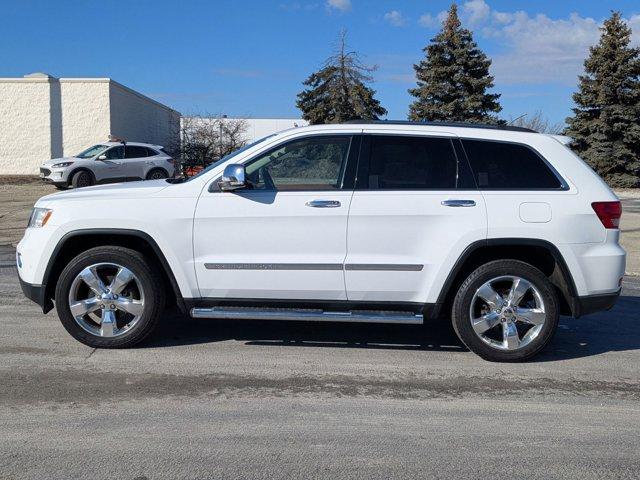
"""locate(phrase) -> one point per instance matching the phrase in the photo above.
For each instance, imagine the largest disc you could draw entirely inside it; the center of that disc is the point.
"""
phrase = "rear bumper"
(594, 303)
(36, 293)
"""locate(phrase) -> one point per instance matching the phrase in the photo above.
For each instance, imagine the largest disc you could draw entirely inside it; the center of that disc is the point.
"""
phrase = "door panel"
(403, 242)
(269, 244)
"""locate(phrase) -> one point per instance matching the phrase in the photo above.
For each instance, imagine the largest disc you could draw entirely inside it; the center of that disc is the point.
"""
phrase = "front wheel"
(506, 311)
(109, 297)
(83, 178)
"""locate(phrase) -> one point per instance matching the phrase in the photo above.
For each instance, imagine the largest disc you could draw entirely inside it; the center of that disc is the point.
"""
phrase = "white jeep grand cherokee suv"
(499, 229)
(108, 163)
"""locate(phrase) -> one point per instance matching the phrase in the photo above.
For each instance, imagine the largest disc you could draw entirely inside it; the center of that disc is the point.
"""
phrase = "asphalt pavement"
(205, 399)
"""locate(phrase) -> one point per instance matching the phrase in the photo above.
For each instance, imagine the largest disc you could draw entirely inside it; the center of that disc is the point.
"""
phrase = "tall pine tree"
(453, 79)
(606, 121)
(338, 91)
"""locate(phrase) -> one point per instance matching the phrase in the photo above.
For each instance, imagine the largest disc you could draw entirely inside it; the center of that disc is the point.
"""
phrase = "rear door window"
(134, 151)
(399, 162)
(509, 166)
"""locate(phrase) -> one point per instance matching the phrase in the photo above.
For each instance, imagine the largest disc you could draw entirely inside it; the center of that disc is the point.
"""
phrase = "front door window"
(309, 164)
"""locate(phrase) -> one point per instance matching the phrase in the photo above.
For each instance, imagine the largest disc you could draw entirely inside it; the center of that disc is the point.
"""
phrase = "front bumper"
(36, 293)
(594, 303)
(54, 176)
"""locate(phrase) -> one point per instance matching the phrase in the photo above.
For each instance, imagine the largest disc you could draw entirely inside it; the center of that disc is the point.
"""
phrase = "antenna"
(511, 122)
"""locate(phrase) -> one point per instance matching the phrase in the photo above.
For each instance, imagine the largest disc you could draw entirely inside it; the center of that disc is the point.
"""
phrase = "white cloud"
(534, 48)
(476, 11)
(429, 21)
(395, 18)
(340, 5)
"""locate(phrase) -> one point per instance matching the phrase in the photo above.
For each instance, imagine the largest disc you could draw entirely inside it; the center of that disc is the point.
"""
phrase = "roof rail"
(443, 124)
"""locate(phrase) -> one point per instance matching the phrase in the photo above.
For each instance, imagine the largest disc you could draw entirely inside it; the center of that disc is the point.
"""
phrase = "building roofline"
(85, 80)
(134, 92)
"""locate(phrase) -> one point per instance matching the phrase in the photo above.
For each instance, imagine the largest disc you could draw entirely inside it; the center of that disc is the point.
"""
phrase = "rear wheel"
(506, 310)
(83, 178)
(109, 297)
(157, 174)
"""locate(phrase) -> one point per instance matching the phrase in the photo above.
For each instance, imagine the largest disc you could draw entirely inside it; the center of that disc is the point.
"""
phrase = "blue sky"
(248, 58)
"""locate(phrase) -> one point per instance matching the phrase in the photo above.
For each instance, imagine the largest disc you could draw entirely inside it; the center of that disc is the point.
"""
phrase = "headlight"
(62, 164)
(39, 217)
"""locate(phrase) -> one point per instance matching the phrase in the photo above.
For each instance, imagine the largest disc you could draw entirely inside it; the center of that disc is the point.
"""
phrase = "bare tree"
(537, 122)
(205, 138)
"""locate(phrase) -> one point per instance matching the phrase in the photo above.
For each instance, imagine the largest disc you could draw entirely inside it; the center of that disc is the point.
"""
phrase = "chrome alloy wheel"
(507, 312)
(106, 299)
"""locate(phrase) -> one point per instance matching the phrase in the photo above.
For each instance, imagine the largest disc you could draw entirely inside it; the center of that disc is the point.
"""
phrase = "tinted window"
(314, 163)
(135, 152)
(151, 152)
(498, 165)
(413, 163)
(115, 153)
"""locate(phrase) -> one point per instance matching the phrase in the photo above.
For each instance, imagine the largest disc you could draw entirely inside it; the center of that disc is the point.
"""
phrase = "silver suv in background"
(107, 163)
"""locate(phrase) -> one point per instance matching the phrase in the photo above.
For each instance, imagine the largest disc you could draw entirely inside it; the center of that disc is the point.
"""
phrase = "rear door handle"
(458, 203)
(323, 203)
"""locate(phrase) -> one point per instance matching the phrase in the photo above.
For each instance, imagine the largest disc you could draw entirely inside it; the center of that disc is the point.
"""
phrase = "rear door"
(135, 161)
(414, 210)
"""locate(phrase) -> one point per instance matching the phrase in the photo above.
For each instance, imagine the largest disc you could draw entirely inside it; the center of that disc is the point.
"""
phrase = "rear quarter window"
(509, 166)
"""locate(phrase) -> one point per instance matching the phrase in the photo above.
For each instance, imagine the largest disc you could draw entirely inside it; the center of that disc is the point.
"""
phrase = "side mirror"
(233, 178)
(102, 157)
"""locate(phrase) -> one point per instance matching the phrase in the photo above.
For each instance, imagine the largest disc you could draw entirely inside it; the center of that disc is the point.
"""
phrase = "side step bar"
(365, 316)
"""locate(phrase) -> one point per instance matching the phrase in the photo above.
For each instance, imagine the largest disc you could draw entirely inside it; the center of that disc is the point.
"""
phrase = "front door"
(110, 168)
(414, 210)
(285, 236)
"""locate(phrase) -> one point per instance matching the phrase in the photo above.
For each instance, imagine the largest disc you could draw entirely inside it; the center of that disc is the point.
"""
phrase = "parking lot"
(212, 399)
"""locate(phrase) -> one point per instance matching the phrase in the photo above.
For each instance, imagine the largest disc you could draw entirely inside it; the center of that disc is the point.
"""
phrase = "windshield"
(231, 155)
(92, 151)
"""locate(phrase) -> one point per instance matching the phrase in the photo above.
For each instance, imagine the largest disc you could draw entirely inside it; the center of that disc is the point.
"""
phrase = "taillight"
(609, 213)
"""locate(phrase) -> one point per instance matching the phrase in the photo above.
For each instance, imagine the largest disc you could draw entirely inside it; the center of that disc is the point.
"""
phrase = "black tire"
(157, 174)
(61, 187)
(83, 178)
(146, 273)
(461, 317)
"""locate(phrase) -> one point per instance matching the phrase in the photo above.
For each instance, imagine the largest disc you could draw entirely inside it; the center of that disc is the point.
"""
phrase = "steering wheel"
(266, 177)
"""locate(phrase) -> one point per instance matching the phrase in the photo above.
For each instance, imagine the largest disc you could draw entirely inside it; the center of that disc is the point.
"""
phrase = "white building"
(261, 127)
(43, 117)
(255, 128)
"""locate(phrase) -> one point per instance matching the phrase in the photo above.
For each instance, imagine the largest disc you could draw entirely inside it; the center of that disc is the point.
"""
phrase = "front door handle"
(323, 203)
(458, 203)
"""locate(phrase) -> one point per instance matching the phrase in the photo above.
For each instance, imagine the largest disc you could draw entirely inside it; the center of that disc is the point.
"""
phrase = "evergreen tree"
(453, 78)
(338, 92)
(606, 121)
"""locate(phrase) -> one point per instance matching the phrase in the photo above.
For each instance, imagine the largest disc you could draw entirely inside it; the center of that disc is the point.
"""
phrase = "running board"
(235, 313)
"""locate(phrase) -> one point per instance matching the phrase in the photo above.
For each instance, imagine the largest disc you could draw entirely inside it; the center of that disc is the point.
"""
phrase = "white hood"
(113, 190)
